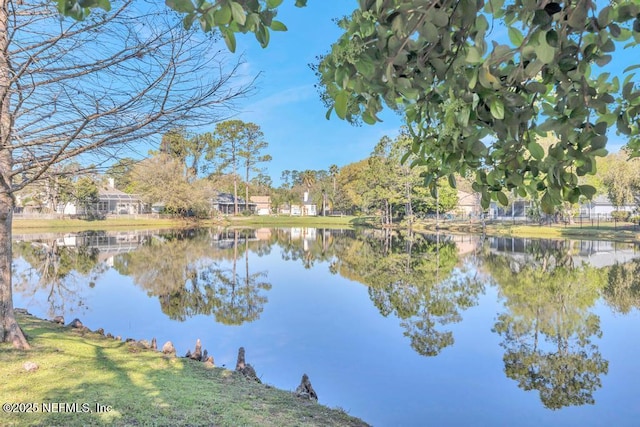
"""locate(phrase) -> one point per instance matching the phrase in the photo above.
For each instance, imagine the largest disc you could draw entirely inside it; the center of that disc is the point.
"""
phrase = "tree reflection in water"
(187, 272)
(415, 277)
(547, 328)
(622, 292)
(62, 269)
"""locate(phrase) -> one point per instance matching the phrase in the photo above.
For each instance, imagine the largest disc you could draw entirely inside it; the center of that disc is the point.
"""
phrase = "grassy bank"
(68, 225)
(605, 231)
(40, 225)
(620, 233)
(142, 387)
(300, 221)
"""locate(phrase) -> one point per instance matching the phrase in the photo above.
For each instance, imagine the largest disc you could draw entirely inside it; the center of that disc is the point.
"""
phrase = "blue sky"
(287, 106)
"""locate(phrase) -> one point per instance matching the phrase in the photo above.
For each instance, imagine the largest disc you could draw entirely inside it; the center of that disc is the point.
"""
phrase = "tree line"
(187, 170)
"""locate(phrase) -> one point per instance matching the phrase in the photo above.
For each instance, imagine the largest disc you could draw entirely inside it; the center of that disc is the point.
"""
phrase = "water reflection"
(548, 325)
(622, 292)
(187, 273)
(60, 270)
(417, 278)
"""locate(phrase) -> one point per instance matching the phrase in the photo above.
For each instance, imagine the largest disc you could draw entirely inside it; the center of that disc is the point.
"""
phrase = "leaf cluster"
(474, 103)
(228, 17)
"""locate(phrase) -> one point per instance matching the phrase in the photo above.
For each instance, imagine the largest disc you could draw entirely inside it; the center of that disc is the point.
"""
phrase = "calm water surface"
(398, 329)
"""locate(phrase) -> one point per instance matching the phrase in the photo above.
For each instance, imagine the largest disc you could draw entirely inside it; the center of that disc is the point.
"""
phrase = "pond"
(398, 328)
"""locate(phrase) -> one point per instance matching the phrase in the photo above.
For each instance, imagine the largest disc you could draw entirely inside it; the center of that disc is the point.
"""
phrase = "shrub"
(620, 215)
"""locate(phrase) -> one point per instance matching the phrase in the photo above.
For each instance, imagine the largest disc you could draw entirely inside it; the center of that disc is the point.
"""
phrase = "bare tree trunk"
(246, 194)
(235, 193)
(437, 207)
(9, 329)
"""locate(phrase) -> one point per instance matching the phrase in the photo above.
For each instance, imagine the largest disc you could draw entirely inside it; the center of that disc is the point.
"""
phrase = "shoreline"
(73, 376)
(627, 232)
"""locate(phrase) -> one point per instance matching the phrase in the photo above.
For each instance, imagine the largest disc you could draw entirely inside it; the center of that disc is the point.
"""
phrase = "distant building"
(225, 204)
(468, 203)
(305, 209)
(111, 201)
(518, 209)
(262, 204)
(601, 207)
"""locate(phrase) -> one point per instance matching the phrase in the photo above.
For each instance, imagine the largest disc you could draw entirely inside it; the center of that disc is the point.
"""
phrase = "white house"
(601, 207)
(305, 209)
(111, 201)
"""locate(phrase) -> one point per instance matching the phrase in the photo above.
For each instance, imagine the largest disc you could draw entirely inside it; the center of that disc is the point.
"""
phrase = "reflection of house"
(224, 203)
(601, 207)
(263, 233)
(596, 253)
(262, 204)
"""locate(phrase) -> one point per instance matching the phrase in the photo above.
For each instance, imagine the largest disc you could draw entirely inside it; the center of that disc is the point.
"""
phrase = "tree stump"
(245, 368)
(197, 353)
(168, 348)
(240, 364)
(305, 390)
(76, 323)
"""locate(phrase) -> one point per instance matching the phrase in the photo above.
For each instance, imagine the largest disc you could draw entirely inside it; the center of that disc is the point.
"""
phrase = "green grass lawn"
(53, 225)
(141, 387)
(39, 225)
(622, 232)
(307, 221)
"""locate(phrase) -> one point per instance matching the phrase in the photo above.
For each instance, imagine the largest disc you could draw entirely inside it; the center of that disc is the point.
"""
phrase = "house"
(115, 202)
(601, 207)
(518, 209)
(262, 204)
(309, 209)
(111, 201)
(224, 203)
(468, 204)
(305, 209)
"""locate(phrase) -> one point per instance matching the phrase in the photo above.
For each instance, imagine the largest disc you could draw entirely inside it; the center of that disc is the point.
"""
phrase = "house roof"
(227, 199)
(260, 199)
(601, 199)
(111, 193)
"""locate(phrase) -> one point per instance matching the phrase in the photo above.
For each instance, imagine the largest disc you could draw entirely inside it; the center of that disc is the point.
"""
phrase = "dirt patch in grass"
(85, 379)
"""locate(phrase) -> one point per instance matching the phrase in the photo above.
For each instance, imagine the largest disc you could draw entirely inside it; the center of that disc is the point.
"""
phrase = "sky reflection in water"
(396, 328)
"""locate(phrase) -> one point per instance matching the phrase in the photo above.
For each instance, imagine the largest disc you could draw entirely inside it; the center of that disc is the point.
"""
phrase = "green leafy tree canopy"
(478, 104)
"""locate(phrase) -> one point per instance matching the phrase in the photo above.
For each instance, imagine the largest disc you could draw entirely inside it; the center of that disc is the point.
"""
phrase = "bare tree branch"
(117, 78)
